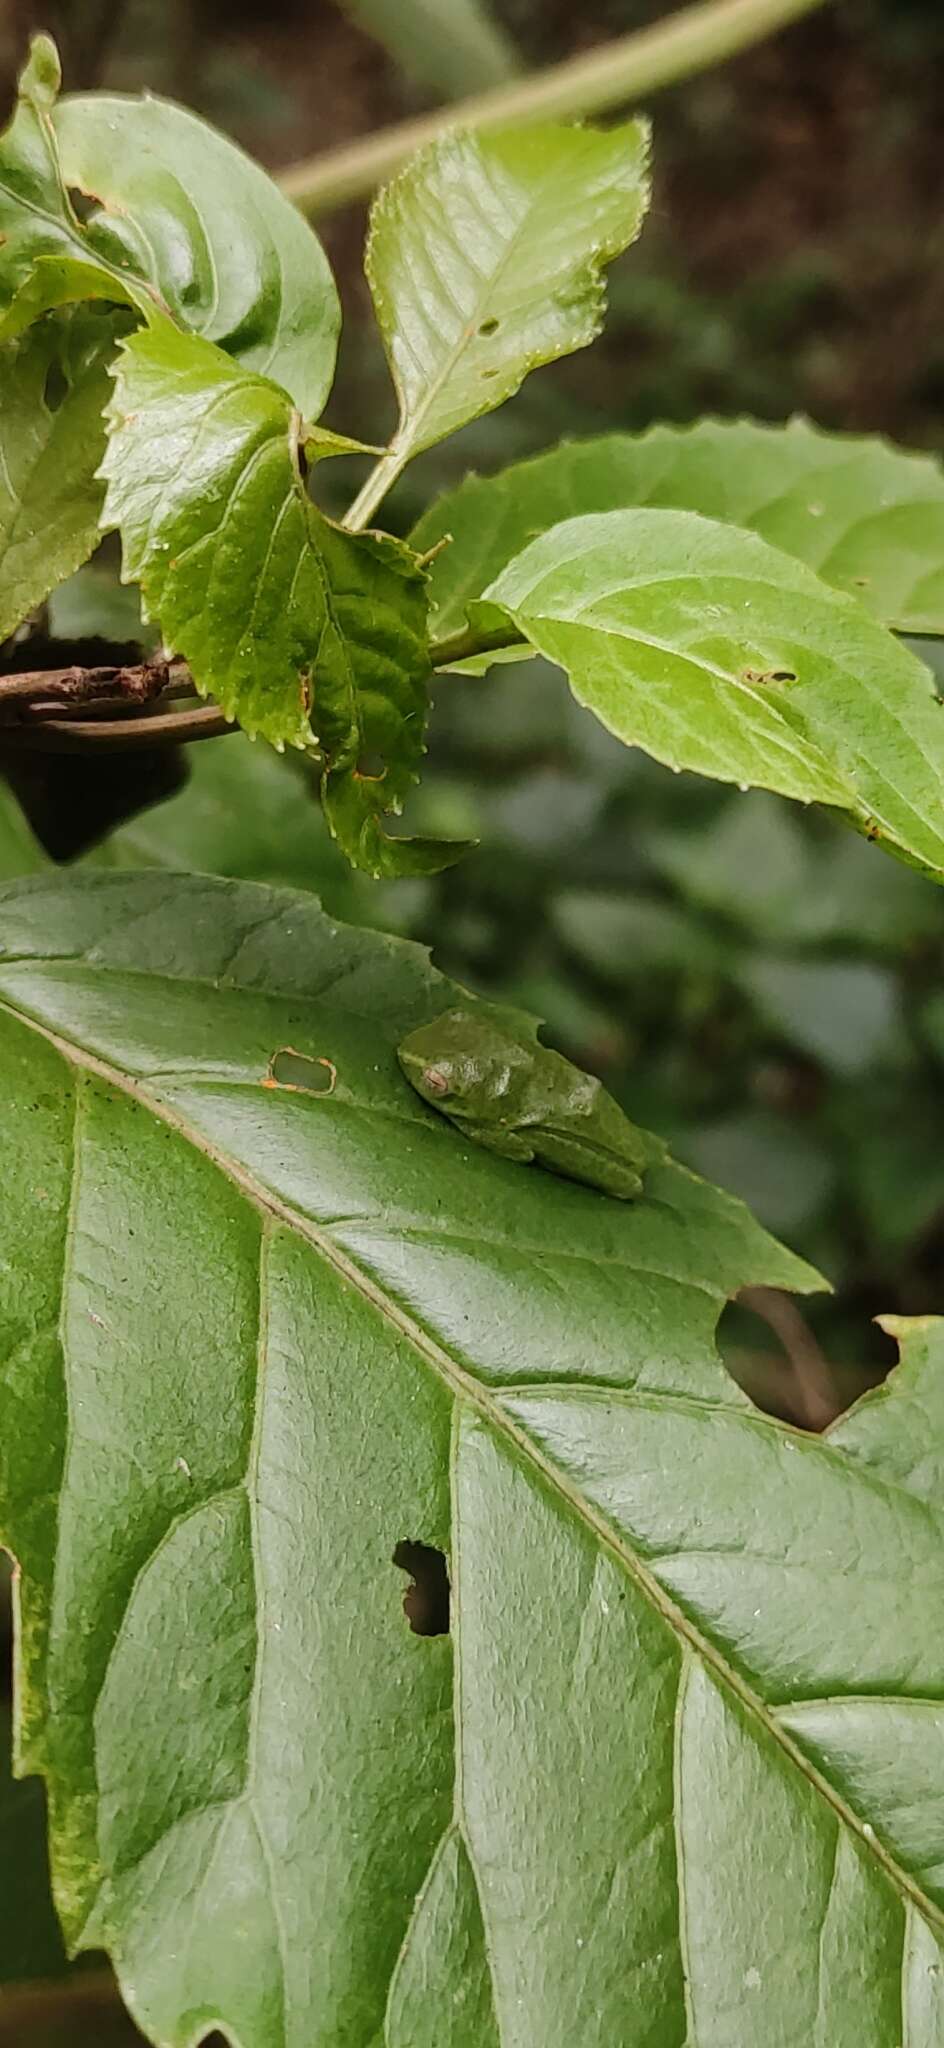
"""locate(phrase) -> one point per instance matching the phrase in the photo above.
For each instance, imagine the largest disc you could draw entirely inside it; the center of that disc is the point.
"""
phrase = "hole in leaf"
(426, 1600)
(371, 766)
(771, 1350)
(83, 204)
(304, 1076)
(54, 388)
(489, 327)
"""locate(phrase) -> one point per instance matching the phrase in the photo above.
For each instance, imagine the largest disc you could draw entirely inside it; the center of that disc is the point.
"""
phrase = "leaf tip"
(41, 76)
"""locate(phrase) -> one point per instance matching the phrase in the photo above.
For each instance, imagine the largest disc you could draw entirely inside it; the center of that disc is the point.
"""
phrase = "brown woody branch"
(71, 710)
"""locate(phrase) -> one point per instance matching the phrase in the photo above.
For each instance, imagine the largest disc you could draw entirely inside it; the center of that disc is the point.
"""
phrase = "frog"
(506, 1091)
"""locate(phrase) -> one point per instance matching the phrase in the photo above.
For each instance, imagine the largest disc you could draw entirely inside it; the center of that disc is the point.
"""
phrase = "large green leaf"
(866, 516)
(716, 652)
(675, 1774)
(174, 216)
(305, 634)
(485, 258)
(54, 385)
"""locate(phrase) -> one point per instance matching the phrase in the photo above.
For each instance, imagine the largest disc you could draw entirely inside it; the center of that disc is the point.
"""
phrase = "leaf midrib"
(481, 1398)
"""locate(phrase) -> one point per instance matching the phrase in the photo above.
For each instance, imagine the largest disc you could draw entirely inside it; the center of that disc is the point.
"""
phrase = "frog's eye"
(436, 1081)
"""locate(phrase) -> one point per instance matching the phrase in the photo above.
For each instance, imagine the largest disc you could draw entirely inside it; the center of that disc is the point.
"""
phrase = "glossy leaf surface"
(307, 635)
(716, 652)
(173, 217)
(231, 258)
(254, 1339)
(46, 256)
(485, 259)
(867, 516)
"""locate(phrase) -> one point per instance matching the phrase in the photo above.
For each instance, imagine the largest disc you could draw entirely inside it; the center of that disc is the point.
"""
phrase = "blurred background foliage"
(749, 978)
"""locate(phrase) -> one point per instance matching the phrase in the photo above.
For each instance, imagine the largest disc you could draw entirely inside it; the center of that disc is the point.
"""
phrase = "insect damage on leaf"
(301, 1074)
(426, 1600)
(486, 257)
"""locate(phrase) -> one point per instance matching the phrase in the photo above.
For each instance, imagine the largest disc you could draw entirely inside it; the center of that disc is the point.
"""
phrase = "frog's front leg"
(594, 1165)
(507, 1143)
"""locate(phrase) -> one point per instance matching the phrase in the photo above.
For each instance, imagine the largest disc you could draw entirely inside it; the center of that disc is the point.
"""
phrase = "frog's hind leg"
(507, 1143)
(577, 1160)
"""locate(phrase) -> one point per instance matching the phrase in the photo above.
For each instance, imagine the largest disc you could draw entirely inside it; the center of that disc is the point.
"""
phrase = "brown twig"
(117, 735)
(44, 708)
(41, 689)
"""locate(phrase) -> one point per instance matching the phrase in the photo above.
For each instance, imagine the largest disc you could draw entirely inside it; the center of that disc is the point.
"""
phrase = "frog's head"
(435, 1079)
(450, 1061)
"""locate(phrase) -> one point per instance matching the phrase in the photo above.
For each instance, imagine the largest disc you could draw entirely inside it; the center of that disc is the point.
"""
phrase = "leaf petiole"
(465, 645)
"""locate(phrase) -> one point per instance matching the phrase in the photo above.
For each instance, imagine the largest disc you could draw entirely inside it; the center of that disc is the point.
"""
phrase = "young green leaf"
(715, 652)
(485, 258)
(54, 385)
(35, 215)
(868, 517)
(174, 219)
(307, 635)
(230, 257)
(38, 224)
(681, 1779)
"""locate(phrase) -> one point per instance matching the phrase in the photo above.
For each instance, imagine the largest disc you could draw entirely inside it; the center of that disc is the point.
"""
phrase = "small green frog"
(523, 1101)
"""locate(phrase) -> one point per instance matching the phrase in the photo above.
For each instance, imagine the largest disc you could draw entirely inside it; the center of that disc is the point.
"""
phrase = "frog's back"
(584, 1133)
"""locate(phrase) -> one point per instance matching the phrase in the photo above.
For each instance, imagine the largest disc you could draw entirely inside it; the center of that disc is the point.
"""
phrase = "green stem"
(617, 73)
(382, 476)
(465, 645)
